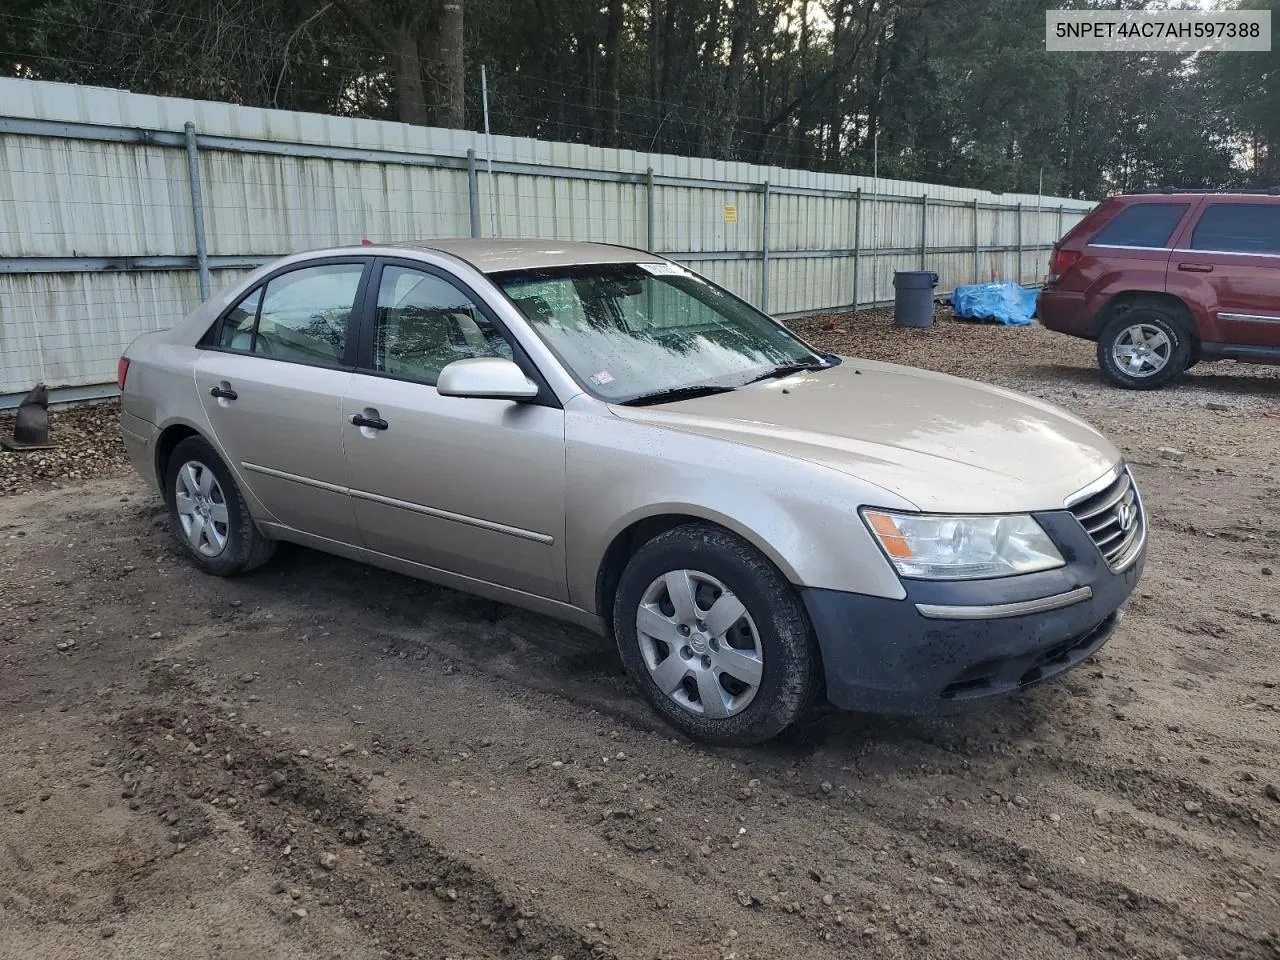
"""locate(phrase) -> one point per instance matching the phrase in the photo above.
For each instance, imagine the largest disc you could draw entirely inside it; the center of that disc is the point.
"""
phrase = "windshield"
(630, 330)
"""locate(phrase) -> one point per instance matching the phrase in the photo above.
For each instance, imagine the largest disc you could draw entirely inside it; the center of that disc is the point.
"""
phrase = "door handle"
(1196, 267)
(373, 423)
(223, 392)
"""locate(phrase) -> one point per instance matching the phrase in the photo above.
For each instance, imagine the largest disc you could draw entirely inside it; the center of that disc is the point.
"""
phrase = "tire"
(770, 649)
(228, 541)
(1164, 348)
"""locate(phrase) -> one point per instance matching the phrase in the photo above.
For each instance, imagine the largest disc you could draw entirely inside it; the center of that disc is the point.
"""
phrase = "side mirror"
(491, 378)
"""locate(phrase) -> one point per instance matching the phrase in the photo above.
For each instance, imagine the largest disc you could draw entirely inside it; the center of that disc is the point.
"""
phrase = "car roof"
(492, 256)
(1264, 194)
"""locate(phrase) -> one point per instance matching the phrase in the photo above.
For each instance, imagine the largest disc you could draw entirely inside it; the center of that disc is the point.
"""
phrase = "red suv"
(1163, 280)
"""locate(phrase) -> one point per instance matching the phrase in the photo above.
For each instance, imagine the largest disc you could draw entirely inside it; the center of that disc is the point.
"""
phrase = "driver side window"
(424, 323)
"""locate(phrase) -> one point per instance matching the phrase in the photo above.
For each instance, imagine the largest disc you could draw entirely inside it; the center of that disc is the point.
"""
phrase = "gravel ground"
(324, 760)
(86, 443)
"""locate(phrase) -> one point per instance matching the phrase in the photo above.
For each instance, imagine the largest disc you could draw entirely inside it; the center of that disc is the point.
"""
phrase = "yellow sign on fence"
(730, 213)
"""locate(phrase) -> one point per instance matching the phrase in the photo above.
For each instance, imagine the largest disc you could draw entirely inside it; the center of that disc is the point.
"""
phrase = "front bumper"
(886, 656)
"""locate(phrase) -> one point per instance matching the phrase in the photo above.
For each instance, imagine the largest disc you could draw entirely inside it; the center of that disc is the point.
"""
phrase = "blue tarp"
(1012, 305)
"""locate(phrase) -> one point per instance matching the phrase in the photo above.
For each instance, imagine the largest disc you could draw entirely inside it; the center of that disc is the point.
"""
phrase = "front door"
(272, 384)
(1233, 255)
(472, 487)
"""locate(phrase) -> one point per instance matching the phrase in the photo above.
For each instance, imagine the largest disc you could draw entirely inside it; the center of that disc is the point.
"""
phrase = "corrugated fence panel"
(65, 198)
(68, 328)
(97, 179)
(270, 205)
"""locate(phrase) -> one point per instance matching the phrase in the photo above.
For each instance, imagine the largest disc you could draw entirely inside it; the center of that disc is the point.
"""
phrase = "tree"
(423, 44)
(951, 91)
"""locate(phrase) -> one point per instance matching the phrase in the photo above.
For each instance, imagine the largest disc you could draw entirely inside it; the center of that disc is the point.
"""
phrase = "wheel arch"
(167, 440)
(1123, 302)
(640, 530)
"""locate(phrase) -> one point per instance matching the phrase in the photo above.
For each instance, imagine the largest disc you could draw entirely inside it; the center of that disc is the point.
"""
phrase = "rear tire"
(746, 664)
(1143, 348)
(207, 514)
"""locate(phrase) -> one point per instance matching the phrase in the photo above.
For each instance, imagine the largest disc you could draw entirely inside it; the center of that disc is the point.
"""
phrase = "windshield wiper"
(785, 369)
(675, 393)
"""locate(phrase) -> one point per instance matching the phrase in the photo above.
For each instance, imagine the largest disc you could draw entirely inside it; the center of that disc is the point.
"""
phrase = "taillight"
(1061, 262)
(122, 372)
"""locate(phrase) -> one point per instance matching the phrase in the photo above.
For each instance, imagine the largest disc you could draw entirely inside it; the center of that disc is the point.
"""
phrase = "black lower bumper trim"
(884, 656)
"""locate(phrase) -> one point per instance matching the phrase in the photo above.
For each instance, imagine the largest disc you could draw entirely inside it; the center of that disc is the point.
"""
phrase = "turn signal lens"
(895, 544)
(122, 372)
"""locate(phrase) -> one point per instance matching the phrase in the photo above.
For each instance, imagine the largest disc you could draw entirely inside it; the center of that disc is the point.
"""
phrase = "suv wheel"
(1143, 348)
(715, 637)
(208, 516)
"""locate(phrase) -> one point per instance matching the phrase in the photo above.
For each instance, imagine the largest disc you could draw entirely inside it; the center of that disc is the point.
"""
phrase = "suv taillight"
(1061, 262)
(122, 372)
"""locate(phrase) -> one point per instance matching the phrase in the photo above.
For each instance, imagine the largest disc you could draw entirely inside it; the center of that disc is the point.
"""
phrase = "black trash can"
(913, 298)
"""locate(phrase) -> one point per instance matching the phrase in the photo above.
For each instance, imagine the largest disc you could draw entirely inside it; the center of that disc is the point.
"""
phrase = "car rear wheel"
(715, 637)
(207, 514)
(1143, 348)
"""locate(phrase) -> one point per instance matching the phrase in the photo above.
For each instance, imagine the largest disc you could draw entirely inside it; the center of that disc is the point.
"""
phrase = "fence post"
(764, 250)
(648, 203)
(1060, 206)
(924, 227)
(473, 192)
(857, 242)
(197, 210)
(1018, 281)
(977, 260)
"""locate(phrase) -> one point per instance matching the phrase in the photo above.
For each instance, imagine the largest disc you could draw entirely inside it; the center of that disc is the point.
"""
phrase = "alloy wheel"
(1142, 350)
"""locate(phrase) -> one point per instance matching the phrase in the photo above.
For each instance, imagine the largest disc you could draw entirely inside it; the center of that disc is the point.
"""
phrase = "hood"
(939, 442)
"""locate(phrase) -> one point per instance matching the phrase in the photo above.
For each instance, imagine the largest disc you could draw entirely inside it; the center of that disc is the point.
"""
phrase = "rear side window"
(1238, 228)
(300, 316)
(238, 324)
(1142, 225)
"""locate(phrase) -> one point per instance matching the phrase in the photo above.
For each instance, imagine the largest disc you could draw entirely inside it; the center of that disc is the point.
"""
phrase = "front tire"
(1143, 348)
(207, 514)
(715, 637)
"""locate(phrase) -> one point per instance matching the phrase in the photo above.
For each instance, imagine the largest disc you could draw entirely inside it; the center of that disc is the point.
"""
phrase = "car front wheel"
(1143, 348)
(208, 515)
(715, 637)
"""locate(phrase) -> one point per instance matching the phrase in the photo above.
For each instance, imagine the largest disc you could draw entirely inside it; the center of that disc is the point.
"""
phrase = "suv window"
(1142, 225)
(425, 323)
(1238, 228)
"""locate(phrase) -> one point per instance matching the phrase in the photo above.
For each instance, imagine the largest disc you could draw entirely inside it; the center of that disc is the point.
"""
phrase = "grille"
(1114, 520)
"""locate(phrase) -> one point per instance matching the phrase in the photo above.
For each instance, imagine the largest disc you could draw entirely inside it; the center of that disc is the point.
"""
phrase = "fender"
(613, 486)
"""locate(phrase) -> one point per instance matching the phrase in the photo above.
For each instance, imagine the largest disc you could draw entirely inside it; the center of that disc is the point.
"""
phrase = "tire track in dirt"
(457, 910)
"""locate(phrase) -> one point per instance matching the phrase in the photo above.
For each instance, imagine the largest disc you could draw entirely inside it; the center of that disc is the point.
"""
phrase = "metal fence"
(119, 212)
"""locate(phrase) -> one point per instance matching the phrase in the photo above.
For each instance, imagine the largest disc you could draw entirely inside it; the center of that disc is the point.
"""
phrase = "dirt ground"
(321, 760)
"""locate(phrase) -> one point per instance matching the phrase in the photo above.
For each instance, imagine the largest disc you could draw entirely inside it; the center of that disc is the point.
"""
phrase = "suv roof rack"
(1273, 191)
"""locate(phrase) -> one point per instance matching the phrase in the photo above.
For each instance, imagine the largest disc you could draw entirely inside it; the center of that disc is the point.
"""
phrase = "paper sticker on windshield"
(663, 269)
(601, 378)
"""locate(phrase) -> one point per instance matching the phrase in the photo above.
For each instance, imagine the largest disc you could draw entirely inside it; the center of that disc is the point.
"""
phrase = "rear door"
(272, 380)
(1230, 261)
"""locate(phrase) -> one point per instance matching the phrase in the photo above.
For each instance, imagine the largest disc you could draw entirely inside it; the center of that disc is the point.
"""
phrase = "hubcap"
(202, 508)
(700, 644)
(1141, 350)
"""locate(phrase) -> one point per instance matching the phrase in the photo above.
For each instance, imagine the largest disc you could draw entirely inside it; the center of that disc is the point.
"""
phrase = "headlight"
(962, 548)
